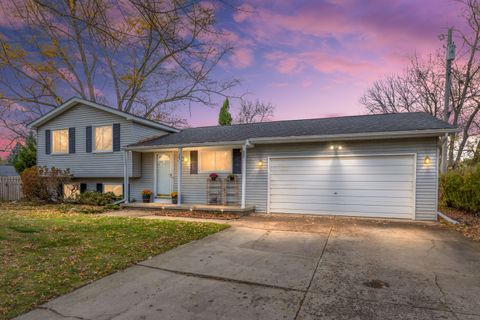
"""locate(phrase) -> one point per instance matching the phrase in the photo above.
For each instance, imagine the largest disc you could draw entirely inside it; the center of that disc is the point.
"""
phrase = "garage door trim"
(412, 154)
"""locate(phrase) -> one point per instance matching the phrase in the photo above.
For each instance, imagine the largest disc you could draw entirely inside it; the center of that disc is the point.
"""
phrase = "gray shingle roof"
(412, 121)
(7, 171)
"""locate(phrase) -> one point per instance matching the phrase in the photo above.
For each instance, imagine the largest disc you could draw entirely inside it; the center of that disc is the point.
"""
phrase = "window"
(71, 190)
(215, 161)
(117, 189)
(60, 141)
(103, 139)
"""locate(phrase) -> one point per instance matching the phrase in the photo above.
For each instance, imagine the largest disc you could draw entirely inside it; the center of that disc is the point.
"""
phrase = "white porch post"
(179, 176)
(244, 174)
(126, 188)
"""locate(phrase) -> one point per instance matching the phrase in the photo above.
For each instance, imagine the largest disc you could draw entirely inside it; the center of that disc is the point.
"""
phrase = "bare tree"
(254, 111)
(421, 88)
(144, 57)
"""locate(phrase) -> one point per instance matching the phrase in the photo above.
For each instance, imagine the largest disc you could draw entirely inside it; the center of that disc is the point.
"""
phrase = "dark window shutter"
(83, 187)
(116, 137)
(100, 187)
(48, 141)
(88, 136)
(193, 162)
(237, 161)
(71, 140)
(60, 191)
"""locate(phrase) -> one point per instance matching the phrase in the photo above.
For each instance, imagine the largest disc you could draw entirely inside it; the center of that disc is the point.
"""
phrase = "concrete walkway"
(283, 267)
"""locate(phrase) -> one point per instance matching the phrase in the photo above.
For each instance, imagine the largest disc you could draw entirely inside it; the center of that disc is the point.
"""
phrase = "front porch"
(191, 207)
(203, 178)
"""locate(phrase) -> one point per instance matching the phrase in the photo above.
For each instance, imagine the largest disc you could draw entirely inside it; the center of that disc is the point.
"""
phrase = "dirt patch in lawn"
(198, 214)
(469, 223)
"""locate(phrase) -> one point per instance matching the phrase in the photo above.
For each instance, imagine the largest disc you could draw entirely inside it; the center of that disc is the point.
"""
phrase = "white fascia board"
(188, 145)
(70, 103)
(359, 136)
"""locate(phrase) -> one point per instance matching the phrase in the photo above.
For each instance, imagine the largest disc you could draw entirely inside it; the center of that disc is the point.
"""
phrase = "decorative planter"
(174, 200)
(146, 199)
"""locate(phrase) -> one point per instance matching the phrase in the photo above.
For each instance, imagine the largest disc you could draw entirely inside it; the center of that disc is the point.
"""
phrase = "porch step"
(162, 199)
(192, 207)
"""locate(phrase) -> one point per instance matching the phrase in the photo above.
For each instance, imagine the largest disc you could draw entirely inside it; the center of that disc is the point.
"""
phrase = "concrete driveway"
(291, 267)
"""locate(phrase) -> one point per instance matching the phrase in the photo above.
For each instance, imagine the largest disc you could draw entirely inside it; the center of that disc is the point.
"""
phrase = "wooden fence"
(10, 188)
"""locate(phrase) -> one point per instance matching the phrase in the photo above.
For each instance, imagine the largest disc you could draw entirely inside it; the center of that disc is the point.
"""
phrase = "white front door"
(164, 173)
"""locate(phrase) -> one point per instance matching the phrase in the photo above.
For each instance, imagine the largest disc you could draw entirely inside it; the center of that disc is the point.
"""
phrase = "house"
(372, 165)
(8, 171)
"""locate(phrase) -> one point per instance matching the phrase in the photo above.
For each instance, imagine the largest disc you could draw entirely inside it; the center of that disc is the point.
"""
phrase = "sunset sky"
(316, 58)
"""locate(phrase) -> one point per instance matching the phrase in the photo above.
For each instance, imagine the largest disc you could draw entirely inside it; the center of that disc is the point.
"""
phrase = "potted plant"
(231, 177)
(174, 196)
(146, 195)
(213, 176)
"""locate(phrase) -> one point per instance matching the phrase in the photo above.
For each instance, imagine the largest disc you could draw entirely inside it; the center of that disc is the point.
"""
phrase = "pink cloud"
(241, 58)
(322, 62)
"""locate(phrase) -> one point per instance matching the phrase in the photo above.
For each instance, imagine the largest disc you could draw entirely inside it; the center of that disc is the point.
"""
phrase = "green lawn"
(46, 251)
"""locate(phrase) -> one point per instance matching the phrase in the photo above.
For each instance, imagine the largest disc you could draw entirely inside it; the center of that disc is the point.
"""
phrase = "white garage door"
(369, 186)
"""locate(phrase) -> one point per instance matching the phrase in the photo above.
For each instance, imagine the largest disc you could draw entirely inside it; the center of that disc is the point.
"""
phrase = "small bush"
(460, 188)
(96, 198)
(44, 184)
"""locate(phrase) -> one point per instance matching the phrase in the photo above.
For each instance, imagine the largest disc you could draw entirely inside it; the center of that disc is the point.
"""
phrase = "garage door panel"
(361, 200)
(339, 170)
(407, 193)
(343, 162)
(340, 178)
(386, 214)
(376, 186)
(370, 209)
(341, 185)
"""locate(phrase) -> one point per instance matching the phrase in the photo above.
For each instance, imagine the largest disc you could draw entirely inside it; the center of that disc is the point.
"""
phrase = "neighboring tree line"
(422, 88)
(250, 112)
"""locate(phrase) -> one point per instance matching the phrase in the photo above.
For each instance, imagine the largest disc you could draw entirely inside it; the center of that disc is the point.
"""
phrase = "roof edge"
(76, 100)
(310, 138)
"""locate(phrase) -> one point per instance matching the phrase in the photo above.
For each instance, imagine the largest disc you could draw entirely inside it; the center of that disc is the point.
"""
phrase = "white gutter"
(311, 138)
(187, 145)
(355, 136)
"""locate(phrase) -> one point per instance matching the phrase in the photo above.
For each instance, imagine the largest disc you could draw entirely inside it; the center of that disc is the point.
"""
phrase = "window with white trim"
(116, 188)
(103, 137)
(60, 141)
(215, 161)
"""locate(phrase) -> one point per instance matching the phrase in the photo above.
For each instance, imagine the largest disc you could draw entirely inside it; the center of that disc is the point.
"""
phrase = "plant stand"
(214, 191)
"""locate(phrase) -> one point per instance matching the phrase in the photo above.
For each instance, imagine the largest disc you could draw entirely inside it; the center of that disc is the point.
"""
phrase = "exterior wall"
(194, 186)
(81, 163)
(426, 175)
(92, 182)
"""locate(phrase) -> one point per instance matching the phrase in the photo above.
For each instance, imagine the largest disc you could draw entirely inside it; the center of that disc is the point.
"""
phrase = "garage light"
(427, 160)
(260, 163)
(340, 147)
(185, 159)
(332, 147)
(335, 147)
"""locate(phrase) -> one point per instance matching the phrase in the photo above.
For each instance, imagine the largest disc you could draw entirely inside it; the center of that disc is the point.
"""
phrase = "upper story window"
(103, 139)
(60, 141)
(215, 161)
